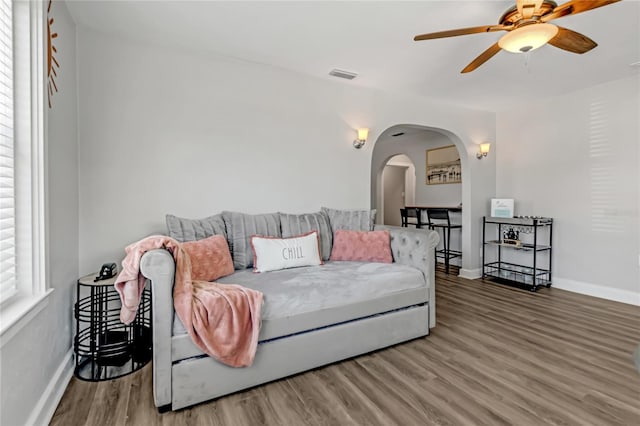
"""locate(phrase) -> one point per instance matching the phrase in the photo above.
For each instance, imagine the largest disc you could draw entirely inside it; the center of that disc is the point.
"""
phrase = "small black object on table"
(106, 348)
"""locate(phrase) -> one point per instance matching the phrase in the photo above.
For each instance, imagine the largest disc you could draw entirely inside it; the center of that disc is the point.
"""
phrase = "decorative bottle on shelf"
(511, 237)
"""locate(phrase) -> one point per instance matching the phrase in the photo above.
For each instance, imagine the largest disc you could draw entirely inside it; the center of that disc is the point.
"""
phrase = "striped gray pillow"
(297, 224)
(352, 220)
(183, 229)
(240, 228)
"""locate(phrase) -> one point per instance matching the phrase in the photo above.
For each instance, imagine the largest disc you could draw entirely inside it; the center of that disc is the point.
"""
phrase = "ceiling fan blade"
(555, 14)
(572, 41)
(462, 31)
(577, 6)
(484, 57)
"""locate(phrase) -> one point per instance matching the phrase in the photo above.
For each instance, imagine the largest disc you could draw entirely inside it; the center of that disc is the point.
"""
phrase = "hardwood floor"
(498, 355)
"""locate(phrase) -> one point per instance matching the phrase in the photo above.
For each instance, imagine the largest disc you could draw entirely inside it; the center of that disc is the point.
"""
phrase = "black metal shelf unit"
(531, 275)
(106, 348)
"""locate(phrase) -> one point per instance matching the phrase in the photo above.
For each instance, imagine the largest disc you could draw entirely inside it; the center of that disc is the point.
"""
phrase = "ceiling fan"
(527, 23)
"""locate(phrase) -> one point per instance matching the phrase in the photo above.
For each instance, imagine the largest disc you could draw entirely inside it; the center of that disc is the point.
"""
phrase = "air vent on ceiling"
(343, 74)
(397, 134)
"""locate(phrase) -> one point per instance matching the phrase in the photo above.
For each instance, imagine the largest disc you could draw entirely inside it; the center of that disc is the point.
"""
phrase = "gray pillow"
(352, 220)
(296, 224)
(183, 229)
(240, 228)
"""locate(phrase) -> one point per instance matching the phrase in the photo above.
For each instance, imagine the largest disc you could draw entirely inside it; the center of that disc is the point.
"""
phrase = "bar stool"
(439, 218)
(408, 215)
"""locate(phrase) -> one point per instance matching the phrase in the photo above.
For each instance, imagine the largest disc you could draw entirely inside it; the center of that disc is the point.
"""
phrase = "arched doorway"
(414, 141)
(398, 188)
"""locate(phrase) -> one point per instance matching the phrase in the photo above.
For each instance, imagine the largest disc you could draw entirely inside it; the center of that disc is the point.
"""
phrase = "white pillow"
(272, 254)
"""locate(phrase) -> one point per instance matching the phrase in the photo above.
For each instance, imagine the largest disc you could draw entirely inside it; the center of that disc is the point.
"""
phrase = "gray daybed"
(311, 316)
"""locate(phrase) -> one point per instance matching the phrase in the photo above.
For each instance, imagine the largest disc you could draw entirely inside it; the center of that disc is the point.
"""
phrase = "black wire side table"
(105, 348)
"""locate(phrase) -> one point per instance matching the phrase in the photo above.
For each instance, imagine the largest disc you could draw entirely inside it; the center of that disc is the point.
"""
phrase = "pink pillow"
(361, 246)
(210, 258)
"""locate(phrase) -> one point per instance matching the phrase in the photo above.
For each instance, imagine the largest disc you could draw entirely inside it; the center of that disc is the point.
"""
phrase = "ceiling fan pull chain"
(527, 57)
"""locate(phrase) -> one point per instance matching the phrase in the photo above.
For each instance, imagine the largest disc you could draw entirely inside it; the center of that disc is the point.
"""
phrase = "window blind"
(8, 285)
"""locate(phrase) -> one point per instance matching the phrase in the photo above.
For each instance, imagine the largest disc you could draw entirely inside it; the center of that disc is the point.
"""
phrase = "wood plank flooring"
(498, 356)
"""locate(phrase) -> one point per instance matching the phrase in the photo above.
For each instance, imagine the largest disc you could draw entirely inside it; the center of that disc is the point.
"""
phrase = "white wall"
(36, 362)
(162, 131)
(576, 158)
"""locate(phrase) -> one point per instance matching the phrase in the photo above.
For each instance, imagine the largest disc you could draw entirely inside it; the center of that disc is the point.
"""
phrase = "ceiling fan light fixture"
(527, 38)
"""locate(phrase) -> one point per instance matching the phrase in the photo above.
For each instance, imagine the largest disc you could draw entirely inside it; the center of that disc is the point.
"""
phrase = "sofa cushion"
(210, 258)
(302, 299)
(297, 224)
(353, 220)
(273, 254)
(183, 229)
(240, 228)
(362, 246)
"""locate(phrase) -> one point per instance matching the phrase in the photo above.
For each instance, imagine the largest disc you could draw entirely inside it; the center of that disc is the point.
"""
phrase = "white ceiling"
(375, 39)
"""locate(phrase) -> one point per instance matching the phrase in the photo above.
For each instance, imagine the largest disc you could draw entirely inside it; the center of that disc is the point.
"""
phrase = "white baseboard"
(470, 274)
(46, 406)
(617, 295)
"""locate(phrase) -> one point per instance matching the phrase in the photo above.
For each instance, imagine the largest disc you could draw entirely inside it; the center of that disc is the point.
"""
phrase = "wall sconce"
(484, 150)
(363, 134)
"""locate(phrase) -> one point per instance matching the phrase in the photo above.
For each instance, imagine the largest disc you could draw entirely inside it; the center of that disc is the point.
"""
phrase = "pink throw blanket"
(222, 319)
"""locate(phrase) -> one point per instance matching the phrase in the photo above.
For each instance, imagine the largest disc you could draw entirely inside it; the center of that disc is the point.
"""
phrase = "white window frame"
(30, 169)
